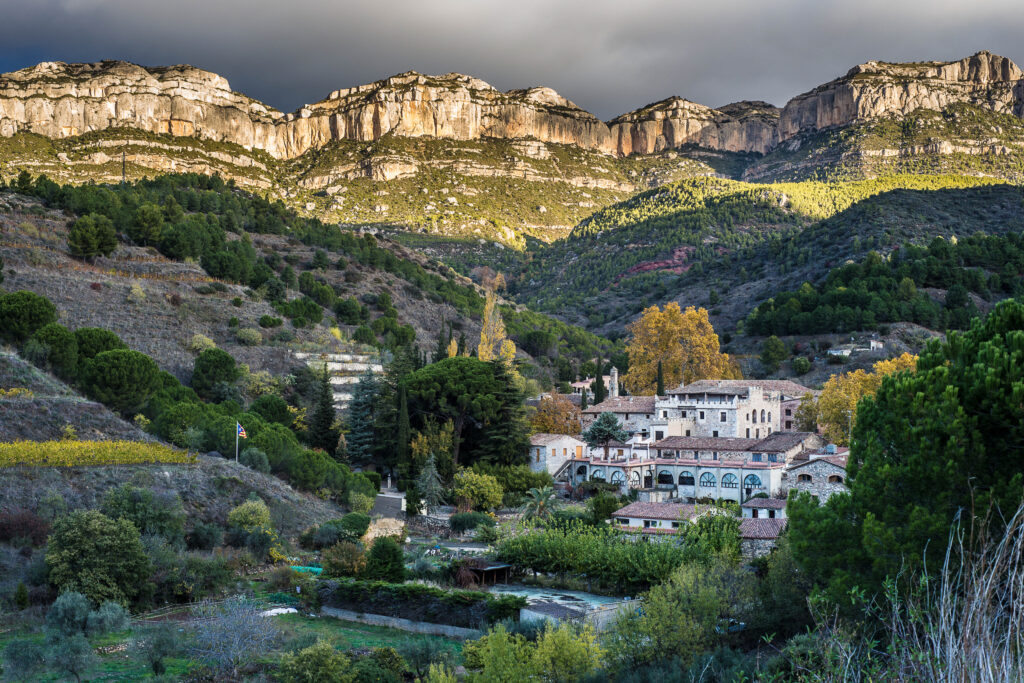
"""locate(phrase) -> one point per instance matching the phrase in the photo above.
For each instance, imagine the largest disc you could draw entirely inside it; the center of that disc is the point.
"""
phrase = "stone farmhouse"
(758, 536)
(550, 452)
(821, 472)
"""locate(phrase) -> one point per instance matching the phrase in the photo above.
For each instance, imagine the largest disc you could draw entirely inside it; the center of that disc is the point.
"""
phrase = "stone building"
(635, 413)
(821, 473)
(550, 452)
(758, 536)
(654, 517)
(764, 508)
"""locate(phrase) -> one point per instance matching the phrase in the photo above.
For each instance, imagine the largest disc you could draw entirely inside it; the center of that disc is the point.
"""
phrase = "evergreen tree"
(462, 343)
(322, 432)
(441, 349)
(403, 432)
(600, 392)
(360, 438)
(660, 381)
(603, 431)
(583, 401)
(428, 485)
(388, 452)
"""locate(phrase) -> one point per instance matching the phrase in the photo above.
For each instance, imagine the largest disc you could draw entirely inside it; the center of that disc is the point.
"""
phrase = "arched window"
(730, 481)
(686, 478)
(664, 477)
(618, 477)
(835, 479)
(753, 416)
(804, 477)
(762, 415)
(752, 481)
(581, 471)
(769, 416)
(634, 479)
(707, 480)
(597, 475)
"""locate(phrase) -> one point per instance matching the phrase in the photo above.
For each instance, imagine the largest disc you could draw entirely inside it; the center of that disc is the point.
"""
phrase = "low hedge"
(468, 609)
(464, 521)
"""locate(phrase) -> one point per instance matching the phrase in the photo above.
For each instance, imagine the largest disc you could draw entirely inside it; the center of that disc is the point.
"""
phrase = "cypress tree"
(583, 400)
(402, 434)
(600, 392)
(441, 348)
(661, 381)
(360, 439)
(322, 433)
(462, 343)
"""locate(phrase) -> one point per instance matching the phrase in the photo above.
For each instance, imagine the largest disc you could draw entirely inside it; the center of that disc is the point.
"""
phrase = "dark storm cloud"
(608, 56)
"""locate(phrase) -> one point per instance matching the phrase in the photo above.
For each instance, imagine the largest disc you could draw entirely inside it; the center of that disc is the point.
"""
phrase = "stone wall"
(756, 547)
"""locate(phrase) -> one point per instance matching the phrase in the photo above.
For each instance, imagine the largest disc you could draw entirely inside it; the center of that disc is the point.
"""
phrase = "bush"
(233, 322)
(108, 618)
(24, 659)
(62, 349)
(69, 614)
(213, 367)
(270, 321)
(123, 380)
(344, 559)
(359, 502)
(204, 536)
(23, 526)
(602, 506)
(91, 236)
(272, 408)
(318, 662)
(356, 524)
(420, 652)
(78, 453)
(22, 313)
(249, 336)
(152, 515)
(464, 521)
(515, 479)
(93, 341)
(364, 335)
(249, 525)
(385, 561)
(479, 491)
(801, 365)
(199, 343)
(100, 557)
(374, 478)
(254, 459)
(236, 302)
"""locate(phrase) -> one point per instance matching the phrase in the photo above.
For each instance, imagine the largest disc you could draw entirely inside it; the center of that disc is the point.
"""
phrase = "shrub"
(420, 652)
(108, 618)
(233, 322)
(199, 343)
(91, 236)
(213, 367)
(602, 506)
(249, 525)
(318, 662)
(479, 491)
(385, 561)
(270, 321)
(22, 313)
(272, 408)
(236, 302)
(151, 514)
(516, 479)
(364, 335)
(122, 379)
(344, 559)
(21, 600)
(801, 365)
(24, 659)
(355, 524)
(25, 526)
(374, 478)
(93, 341)
(204, 536)
(97, 556)
(249, 336)
(254, 459)
(62, 349)
(464, 521)
(359, 502)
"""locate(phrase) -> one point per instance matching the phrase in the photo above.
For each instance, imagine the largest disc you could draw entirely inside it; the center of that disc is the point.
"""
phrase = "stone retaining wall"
(424, 627)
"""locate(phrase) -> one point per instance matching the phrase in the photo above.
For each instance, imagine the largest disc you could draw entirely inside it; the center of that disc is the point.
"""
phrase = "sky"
(607, 56)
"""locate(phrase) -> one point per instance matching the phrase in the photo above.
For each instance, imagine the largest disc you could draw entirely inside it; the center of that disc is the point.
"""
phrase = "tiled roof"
(547, 439)
(783, 386)
(836, 460)
(624, 404)
(672, 511)
(759, 528)
(777, 442)
(702, 443)
(766, 503)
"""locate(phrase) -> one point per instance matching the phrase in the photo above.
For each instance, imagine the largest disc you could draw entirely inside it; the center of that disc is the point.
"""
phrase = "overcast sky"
(608, 56)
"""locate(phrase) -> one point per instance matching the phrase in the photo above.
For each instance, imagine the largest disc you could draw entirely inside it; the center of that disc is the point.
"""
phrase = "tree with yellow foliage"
(837, 405)
(685, 344)
(494, 343)
(556, 414)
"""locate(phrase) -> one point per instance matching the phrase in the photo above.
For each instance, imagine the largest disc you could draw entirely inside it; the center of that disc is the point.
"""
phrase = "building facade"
(550, 452)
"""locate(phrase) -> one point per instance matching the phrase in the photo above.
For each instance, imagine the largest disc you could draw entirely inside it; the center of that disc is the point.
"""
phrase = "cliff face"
(672, 123)
(64, 100)
(878, 89)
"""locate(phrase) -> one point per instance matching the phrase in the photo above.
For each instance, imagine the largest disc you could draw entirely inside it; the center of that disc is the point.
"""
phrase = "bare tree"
(229, 633)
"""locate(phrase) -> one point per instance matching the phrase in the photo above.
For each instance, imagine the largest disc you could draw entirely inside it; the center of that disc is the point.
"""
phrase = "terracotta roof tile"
(778, 442)
(624, 404)
(699, 443)
(546, 439)
(783, 386)
(760, 528)
(672, 511)
(766, 503)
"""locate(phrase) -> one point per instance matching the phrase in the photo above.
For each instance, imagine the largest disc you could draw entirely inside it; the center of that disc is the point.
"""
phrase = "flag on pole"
(241, 430)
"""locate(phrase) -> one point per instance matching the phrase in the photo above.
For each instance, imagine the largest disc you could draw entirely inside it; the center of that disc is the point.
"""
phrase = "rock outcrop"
(878, 89)
(65, 100)
(675, 122)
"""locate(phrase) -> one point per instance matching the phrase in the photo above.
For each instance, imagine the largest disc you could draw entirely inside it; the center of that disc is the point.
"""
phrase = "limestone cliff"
(675, 122)
(878, 89)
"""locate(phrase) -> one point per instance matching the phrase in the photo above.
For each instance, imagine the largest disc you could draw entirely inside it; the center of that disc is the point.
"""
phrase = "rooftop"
(765, 503)
(672, 511)
(624, 404)
(705, 443)
(783, 386)
(761, 528)
(777, 442)
(834, 460)
(547, 439)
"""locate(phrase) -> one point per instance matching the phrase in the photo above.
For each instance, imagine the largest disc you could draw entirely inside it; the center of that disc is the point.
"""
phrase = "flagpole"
(236, 442)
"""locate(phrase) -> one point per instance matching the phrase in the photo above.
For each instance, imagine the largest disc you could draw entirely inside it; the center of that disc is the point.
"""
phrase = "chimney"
(613, 382)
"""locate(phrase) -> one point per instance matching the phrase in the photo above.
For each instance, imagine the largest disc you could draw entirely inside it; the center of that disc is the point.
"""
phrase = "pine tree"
(360, 438)
(600, 392)
(428, 485)
(322, 432)
(387, 408)
(660, 383)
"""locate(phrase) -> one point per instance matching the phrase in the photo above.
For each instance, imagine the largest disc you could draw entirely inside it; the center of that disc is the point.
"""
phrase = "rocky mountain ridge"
(61, 100)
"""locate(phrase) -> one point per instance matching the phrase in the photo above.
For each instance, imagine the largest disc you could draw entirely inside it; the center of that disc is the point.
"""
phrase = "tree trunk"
(457, 426)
